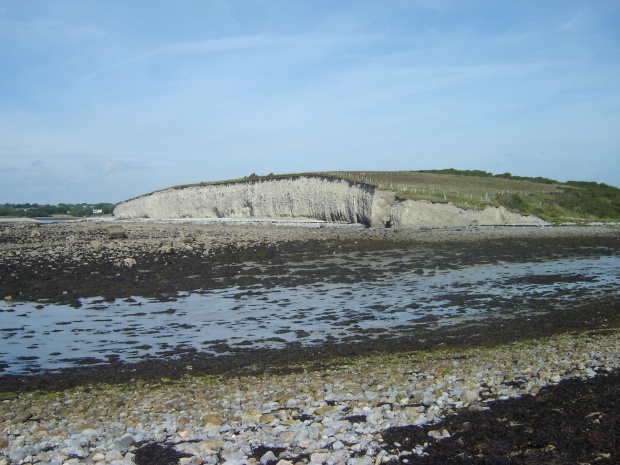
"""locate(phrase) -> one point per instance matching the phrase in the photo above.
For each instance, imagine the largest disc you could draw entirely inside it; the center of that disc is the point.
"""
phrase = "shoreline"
(64, 262)
(155, 259)
(342, 412)
(326, 404)
(488, 333)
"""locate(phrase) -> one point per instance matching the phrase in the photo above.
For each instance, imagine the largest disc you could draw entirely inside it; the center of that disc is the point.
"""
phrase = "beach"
(331, 402)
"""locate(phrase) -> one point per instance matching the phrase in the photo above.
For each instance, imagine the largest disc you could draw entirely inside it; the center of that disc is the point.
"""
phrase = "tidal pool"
(37, 337)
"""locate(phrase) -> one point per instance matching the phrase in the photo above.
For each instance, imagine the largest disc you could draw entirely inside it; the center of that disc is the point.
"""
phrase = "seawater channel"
(38, 337)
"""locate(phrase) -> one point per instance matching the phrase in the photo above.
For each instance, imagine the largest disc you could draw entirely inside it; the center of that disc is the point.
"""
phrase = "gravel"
(334, 415)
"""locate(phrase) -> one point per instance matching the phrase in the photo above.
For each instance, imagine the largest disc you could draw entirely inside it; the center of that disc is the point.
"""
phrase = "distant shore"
(33, 252)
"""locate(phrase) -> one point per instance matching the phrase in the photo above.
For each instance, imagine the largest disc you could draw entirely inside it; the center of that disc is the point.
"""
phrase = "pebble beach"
(335, 415)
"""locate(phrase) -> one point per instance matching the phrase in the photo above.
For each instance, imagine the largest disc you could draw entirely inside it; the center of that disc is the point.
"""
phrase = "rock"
(320, 457)
(4, 443)
(361, 461)
(322, 410)
(470, 395)
(96, 246)
(116, 232)
(23, 416)
(113, 455)
(166, 249)
(98, 457)
(129, 262)
(267, 418)
(544, 375)
(212, 419)
(125, 443)
(212, 444)
(20, 454)
(269, 456)
(439, 434)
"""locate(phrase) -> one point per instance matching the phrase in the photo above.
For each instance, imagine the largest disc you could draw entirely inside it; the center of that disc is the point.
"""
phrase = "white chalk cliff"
(308, 197)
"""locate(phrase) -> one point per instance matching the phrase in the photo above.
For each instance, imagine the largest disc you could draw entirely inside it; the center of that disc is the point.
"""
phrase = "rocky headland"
(310, 197)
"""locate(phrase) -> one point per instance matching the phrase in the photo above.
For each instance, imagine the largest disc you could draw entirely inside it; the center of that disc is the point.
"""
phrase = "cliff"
(307, 198)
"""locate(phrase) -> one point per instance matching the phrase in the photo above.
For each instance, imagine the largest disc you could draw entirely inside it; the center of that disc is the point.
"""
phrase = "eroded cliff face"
(416, 213)
(308, 198)
(299, 197)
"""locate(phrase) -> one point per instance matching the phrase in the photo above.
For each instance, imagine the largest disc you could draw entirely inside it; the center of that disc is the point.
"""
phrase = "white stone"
(320, 457)
(113, 455)
(470, 395)
(129, 262)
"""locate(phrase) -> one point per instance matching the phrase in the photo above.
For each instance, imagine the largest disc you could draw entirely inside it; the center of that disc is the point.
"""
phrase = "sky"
(104, 100)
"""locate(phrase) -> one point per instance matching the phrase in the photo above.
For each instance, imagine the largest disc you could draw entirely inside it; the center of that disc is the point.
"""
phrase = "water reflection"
(37, 336)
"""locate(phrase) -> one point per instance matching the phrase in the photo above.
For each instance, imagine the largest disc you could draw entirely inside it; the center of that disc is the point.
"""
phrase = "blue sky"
(103, 100)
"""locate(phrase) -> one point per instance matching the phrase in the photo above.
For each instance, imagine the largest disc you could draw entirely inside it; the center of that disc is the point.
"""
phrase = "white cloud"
(217, 45)
(71, 179)
(117, 166)
(109, 167)
(576, 21)
(293, 47)
(48, 28)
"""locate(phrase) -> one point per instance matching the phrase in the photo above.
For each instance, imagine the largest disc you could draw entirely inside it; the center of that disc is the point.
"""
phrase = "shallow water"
(37, 337)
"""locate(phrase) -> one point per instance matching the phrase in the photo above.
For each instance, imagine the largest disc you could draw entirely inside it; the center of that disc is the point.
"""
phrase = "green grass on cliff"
(546, 198)
(573, 201)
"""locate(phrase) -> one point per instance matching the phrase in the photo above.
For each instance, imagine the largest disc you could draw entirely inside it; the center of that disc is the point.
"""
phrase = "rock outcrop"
(416, 213)
(306, 197)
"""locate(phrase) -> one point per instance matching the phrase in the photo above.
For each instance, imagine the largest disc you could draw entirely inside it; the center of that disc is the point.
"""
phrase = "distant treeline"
(486, 174)
(35, 210)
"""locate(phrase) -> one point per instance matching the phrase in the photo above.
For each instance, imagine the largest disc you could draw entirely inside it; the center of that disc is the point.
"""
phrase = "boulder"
(116, 232)
(129, 262)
